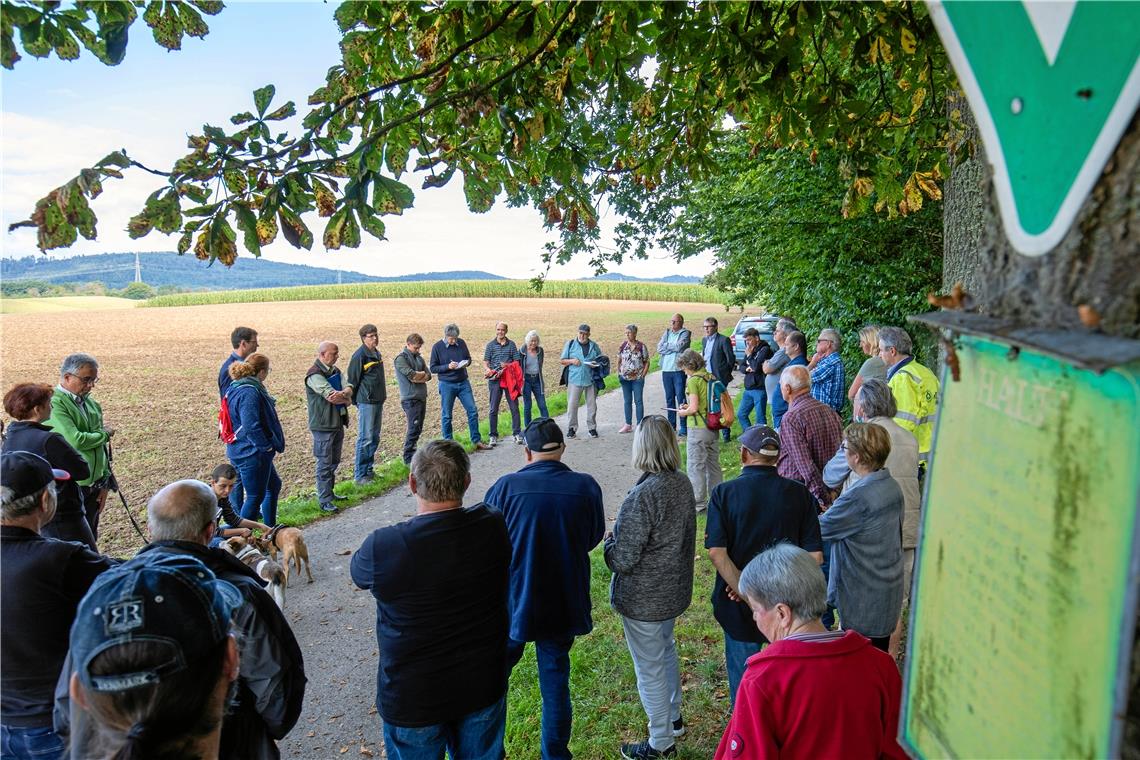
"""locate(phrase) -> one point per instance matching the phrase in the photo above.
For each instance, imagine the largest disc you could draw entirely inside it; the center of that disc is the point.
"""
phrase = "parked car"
(766, 324)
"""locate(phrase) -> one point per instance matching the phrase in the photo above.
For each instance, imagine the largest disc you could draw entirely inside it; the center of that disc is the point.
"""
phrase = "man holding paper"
(449, 360)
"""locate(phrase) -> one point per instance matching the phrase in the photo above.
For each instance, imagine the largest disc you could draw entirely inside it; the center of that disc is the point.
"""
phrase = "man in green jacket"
(79, 419)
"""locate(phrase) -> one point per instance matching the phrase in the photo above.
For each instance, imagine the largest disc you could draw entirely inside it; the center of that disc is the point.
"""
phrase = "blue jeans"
(367, 439)
(756, 398)
(675, 396)
(262, 487)
(475, 736)
(448, 392)
(736, 654)
(38, 743)
(631, 395)
(553, 658)
(532, 384)
(828, 618)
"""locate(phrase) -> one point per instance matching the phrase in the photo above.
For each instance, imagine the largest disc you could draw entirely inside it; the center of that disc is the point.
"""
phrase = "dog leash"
(113, 485)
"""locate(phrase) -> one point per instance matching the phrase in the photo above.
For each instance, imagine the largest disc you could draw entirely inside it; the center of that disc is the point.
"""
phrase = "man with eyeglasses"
(79, 419)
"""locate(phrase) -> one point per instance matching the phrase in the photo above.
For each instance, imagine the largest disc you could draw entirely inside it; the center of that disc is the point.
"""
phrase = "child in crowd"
(222, 480)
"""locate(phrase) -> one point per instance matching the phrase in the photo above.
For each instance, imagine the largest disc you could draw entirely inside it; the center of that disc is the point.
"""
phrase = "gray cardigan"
(651, 549)
(864, 527)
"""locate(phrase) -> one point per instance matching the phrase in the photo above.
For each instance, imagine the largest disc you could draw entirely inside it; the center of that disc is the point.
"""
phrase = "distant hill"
(676, 279)
(116, 270)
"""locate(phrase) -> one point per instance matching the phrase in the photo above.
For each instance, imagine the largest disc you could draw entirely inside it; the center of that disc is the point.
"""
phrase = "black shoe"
(643, 751)
(330, 509)
(571, 433)
(593, 433)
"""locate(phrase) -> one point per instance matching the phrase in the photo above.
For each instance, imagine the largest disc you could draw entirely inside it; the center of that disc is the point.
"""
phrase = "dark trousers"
(675, 396)
(499, 393)
(414, 411)
(93, 500)
(881, 642)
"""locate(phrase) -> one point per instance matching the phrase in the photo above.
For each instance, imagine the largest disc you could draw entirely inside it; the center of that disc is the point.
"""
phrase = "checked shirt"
(810, 434)
(827, 382)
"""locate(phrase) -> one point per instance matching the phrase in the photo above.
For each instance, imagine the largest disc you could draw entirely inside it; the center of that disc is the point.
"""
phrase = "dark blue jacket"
(224, 379)
(443, 354)
(253, 414)
(554, 518)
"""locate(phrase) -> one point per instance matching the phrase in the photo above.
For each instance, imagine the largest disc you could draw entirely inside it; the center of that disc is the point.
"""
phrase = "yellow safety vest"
(915, 389)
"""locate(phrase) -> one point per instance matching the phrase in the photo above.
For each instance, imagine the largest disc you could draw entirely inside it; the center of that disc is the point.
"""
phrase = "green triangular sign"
(1053, 85)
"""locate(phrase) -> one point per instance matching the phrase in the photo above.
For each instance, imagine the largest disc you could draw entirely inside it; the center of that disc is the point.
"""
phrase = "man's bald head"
(182, 511)
(328, 352)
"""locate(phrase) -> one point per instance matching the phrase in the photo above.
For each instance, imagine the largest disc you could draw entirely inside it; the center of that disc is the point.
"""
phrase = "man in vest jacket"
(327, 397)
(369, 392)
(79, 419)
(915, 389)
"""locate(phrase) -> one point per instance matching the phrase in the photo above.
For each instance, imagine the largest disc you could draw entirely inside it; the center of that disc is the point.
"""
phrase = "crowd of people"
(813, 545)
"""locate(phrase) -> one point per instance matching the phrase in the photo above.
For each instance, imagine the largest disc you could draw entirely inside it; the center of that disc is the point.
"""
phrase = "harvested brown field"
(158, 370)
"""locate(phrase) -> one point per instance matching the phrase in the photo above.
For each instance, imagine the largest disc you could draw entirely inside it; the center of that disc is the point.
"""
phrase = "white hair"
(796, 377)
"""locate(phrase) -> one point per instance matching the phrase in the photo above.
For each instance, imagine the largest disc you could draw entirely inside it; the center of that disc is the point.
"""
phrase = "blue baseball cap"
(161, 598)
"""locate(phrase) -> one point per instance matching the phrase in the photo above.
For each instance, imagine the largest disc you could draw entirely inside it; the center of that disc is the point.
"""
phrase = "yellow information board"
(1023, 605)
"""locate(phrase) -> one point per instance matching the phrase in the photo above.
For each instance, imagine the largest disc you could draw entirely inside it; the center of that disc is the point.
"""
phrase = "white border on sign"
(1106, 142)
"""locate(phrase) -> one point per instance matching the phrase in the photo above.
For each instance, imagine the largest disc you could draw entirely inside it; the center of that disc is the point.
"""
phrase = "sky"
(58, 117)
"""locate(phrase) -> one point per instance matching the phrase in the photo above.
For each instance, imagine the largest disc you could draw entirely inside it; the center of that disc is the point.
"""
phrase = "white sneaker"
(493, 440)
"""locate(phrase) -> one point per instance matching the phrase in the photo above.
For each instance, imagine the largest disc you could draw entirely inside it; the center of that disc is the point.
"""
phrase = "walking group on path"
(185, 629)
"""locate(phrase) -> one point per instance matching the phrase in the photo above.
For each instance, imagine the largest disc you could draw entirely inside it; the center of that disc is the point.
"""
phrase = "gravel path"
(335, 622)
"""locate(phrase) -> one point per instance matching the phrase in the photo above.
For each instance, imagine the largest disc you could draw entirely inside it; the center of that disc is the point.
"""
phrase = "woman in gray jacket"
(651, 555)
(864, 527)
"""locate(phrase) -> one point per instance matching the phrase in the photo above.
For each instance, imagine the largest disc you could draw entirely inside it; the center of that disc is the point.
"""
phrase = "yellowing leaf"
(880, 48)
(930, 188)
(917, 100)
(907, 41)
(863, 186)
(912, 196)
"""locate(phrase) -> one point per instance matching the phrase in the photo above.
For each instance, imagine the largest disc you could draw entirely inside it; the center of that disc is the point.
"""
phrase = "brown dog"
(291, 544)
(269, 570)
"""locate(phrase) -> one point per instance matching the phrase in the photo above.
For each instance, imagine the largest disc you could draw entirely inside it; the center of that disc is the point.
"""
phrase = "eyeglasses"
(710, 327)
(89, 380)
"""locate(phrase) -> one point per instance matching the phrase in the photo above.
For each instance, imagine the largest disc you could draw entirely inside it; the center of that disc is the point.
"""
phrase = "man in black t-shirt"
(747, 515)
(440, 582)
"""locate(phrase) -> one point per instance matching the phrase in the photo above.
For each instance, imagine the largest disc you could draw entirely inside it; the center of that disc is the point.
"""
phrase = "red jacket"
(511, 379)
(819, 700)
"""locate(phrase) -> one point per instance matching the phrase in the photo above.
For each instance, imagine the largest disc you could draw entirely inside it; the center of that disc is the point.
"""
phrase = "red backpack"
(225, 424)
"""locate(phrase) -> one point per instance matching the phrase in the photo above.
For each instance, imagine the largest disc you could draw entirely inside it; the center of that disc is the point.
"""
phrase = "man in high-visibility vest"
(915, 389)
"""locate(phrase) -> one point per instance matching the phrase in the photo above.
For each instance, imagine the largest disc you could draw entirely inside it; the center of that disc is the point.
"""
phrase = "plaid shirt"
(810, 434)
(498, 355)
(828, 383)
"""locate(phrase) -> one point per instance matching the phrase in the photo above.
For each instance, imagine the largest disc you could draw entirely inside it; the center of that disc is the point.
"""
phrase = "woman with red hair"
(29, 404)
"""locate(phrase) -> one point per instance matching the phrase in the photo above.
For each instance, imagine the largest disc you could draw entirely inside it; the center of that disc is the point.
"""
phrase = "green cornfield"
(593, 289)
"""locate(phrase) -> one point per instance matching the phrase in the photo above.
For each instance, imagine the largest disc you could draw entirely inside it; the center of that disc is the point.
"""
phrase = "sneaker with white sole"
(678, 728)
(645, 751)
(493, 440)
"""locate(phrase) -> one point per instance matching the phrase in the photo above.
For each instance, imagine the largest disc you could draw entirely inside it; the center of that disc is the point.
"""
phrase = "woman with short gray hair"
(808, 679)
(651, 555)
(531, 356)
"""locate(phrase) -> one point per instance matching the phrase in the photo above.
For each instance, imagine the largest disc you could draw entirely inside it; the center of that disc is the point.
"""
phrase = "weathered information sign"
(1021, 630)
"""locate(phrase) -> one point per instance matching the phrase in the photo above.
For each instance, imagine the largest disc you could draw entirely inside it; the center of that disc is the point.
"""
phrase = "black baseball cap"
(543, 436)
(25, 473)
(761, 439)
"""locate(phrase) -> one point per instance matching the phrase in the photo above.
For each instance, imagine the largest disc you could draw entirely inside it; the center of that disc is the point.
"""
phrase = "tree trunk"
(1096, 264)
